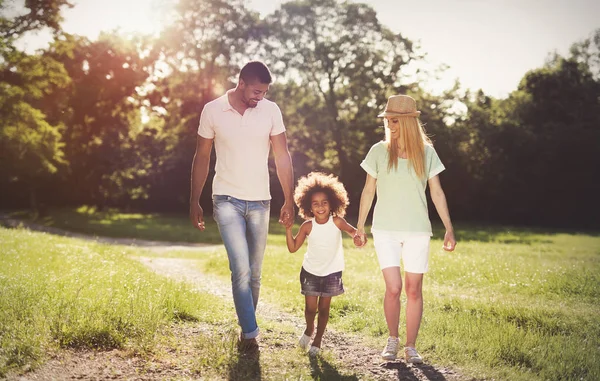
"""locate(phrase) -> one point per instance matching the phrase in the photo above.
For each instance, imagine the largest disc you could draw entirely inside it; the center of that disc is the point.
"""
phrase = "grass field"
(509, 304)
(63, 293)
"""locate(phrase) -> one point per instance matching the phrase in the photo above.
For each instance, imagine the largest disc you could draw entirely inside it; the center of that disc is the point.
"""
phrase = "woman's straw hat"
(400, 105)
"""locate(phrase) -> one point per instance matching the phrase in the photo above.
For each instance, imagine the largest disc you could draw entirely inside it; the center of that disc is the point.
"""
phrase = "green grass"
(64, 293)
(61, 293)
(514, 306)
(509, 303)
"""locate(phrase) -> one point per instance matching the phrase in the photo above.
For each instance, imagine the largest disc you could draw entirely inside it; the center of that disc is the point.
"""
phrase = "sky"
(487, 44)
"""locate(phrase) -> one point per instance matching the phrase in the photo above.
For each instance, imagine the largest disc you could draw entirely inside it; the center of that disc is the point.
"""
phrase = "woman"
(399, 169)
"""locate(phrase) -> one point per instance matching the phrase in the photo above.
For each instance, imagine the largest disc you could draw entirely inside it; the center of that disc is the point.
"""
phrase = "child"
(322, 201)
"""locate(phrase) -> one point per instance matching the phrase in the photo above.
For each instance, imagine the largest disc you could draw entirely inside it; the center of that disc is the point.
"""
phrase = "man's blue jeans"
(244, 226)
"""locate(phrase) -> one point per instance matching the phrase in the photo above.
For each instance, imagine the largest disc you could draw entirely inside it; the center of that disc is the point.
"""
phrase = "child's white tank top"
(324, 254)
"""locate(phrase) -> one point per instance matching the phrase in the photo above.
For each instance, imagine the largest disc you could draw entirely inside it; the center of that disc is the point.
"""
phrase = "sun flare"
(88, 17)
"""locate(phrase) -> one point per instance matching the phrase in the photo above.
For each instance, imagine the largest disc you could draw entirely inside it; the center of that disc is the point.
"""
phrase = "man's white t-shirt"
(242, 144)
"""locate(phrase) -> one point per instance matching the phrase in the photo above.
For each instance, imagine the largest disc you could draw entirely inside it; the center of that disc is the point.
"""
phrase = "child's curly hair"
(320, 182)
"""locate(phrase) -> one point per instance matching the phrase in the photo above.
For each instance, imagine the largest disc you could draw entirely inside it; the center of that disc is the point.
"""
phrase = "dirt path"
(350, 351)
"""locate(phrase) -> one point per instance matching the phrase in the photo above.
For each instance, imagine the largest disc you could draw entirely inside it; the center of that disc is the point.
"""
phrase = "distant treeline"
(113, 122)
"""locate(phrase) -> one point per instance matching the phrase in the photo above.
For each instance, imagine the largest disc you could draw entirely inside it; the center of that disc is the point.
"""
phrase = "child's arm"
(344, 226)
(294, 243)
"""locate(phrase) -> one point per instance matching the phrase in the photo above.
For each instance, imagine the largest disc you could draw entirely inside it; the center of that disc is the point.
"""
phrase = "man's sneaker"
(248, 346)
(304, 341)
(390, 352)
(412, 356)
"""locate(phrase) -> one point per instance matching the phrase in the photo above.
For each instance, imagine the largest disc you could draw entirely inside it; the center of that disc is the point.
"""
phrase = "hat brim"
(408, 114)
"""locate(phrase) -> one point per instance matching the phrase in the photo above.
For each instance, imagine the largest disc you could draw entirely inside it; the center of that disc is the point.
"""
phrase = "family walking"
(243, 125)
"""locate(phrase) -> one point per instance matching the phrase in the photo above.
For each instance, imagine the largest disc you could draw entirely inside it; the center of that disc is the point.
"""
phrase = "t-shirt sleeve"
(277, 121)
(369, 164)
(206, 127)
(434, 164)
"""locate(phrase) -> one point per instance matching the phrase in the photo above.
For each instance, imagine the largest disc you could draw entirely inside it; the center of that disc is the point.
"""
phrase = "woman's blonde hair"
(412, 140)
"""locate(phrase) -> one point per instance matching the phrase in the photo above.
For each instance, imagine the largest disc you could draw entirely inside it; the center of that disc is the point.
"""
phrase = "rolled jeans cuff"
(250, 335)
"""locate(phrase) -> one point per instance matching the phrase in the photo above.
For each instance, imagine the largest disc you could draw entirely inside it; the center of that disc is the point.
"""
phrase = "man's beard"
(251, 103)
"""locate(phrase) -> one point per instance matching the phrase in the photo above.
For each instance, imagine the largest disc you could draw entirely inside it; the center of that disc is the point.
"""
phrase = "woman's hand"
(449, 241)
(360, 237)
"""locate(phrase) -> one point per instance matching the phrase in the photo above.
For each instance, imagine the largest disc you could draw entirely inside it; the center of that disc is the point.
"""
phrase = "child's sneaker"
(304, 341)
(313, 351)
(412, 356)
(390, 352)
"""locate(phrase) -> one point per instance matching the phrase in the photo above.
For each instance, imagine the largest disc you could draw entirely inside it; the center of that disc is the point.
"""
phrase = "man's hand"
(449, 241)
(197, 216)
(286, 216)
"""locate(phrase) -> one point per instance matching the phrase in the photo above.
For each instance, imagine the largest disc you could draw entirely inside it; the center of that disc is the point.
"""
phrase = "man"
(242, 124)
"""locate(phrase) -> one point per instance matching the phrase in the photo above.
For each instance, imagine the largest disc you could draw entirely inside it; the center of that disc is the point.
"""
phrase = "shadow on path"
(416, 372)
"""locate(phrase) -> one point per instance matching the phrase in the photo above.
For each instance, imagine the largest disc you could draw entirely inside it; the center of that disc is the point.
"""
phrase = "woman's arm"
(294, 243)
(439, 200)
(366, 201)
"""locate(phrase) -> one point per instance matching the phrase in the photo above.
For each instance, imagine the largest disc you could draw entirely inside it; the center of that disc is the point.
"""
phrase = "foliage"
(200, 52)
(534, 151)
(30, 144)
(102, 116)
(113, 122)
(41, 13)
(340, 64)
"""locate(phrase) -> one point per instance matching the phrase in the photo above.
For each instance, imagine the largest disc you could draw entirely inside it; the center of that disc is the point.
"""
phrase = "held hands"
(286, 217)
(449, 241)
(197, 216)
(360, 238)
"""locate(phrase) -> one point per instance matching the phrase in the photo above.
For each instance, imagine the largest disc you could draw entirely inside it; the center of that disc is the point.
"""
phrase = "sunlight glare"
(89, 17)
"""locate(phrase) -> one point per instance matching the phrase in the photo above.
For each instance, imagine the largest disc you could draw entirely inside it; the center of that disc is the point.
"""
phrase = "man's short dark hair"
(256, 71)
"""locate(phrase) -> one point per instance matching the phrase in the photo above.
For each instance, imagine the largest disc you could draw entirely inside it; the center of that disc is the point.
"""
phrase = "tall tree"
(102, 115)
(35, 15)
(200, 53)
(345, 64)
(534, 152)
(30, 145)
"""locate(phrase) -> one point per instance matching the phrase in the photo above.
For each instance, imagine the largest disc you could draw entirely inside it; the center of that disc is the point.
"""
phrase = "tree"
(30, 144)
(200, 52)
(102, 115)
(342, 64)
(41, 14)
(535, 150)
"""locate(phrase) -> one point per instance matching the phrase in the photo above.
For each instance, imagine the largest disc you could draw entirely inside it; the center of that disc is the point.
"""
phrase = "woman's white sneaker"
(390, 352)
(412, 356)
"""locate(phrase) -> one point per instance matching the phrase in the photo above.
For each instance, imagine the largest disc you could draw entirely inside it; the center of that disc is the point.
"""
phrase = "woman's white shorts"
(412, 248)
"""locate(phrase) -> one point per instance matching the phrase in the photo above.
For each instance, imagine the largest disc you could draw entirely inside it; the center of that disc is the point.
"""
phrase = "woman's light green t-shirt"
(401, 202)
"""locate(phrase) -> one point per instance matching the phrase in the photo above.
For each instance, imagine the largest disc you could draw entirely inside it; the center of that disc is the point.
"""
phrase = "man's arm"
(285, 173)
(199, 175)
